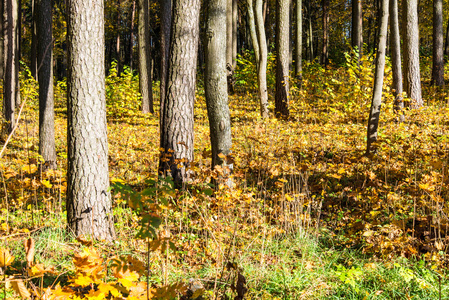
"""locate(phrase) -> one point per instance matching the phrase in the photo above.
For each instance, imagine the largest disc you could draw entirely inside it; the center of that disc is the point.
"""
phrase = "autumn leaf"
(29, 250)
(20, 288)
(5, 257)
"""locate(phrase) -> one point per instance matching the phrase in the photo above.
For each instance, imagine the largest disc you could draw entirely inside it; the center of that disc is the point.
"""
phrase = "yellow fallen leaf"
(6, 258)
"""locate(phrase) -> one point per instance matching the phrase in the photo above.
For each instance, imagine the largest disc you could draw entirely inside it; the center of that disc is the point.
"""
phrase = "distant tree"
(325, 52)
(438, 40)
(446, 43)
(177, 119)
(231, 41)
(309, 31)
(33, 58)
(215, 85)
(11, 81)
(282, 58)
(298, 41)
(145, 82)
(395, 44)
(357, 17)
(373, 121)
(45, 78)
(412, 76)
(88, 200)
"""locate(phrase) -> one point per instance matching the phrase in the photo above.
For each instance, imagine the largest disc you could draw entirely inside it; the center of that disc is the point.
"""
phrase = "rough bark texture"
(262, 69)
(88, 199)
(373, 121)
(166, 20)
(215, 86)
(229, 45)
(395, 43)
(357, 26)
(145, 84)
(45, 76)
(282, 58)
(177, 121)
(325, 52)
(438, 41)
(412, 76)
(11, 84)
(298, 41)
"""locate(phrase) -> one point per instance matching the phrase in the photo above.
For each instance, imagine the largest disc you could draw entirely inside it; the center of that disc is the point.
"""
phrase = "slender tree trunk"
(252, 30)
(298, 53)
(357, 26)
(2, 40)
(177, 121)
(235, 19)
(446, 44)
(325, 54)
(282, 58)
(33, 67)
(262, 70)
(166, 20)
(395, 43)
(45, 69)
(373, 121)
(309, 31)
(131, 37)
(438, 40)
(88, 199)
(118, 47)
(412, 76)
(215, 87)
(10, 85)
(145, 84)
(229, 46)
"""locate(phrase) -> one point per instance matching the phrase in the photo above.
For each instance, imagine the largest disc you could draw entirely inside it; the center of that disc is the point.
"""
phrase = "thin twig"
(14, 129)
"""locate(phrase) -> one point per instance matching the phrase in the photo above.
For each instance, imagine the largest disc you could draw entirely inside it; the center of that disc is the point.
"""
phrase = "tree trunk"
(412, 76)
(446, 44)
(325, 53)
(357, 26)
(45, 76)
(33, 59)
(309, 32)
(88, 199)
(145, 84)
(215, 87)
(395, 43)
(262, 69)
(118, 46)
(298, 53)
(252, 30)
(229, 45)
(166, 20)
(11, 85)
(282, 58)
(177, 121)
(438, 56)
(235, 19)
(373, 121)
(131, 37)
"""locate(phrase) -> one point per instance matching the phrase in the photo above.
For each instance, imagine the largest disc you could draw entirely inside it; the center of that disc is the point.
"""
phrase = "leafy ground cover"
(310, 216)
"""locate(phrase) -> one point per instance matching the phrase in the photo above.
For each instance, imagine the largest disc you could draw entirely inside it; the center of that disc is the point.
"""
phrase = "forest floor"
(310, 216)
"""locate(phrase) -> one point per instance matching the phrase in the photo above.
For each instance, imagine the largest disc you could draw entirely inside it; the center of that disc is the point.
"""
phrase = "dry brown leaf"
(84, 241)
(20, 288)
(29, 249)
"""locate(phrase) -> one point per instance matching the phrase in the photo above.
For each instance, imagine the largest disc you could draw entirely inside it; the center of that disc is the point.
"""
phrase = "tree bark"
(357, 27)
(282, 58)
(11, 84)
(373, 121)
(412, 76)
(166, 20)
(229, 46)
(88, 200)
(309, 32)
(145, 84)
(325, 53)
(177, 121)
(446, 44)
(215, 87)
(298, 41)
(262, 69)
(2, 40)
(45, 78)
(438, 40)
(395, 43)
(118, 46)
(252, 30)
(235, 19)
(131, 36)
(33, 59)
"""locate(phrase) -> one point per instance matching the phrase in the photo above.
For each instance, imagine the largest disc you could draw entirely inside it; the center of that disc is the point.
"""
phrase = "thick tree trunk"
(88, 199)
(166, 20)
(11, 84)
(45, 69)
(438, 55)
(262, 69)
(412, 76)
(356, 40)
(373, 121)
(325, 52)
(145, 84)
(298, 41)
(395, 43)
(177, 121)
(282, 58)
(215, 87)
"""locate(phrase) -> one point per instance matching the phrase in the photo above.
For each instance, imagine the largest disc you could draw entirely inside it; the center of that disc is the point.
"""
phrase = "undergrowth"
(310, 216)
